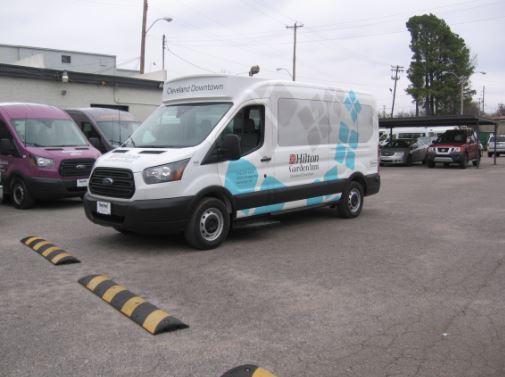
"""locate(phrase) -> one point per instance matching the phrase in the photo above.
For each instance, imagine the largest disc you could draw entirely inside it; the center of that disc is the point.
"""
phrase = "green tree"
(500, 111)
(440, 62)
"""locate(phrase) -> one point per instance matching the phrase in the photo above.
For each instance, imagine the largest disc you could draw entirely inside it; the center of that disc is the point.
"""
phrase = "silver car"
(500, 145)
(404, 151)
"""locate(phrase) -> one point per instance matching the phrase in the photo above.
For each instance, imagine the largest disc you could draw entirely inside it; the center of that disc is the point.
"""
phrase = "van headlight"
(42, 162)
(165, 173)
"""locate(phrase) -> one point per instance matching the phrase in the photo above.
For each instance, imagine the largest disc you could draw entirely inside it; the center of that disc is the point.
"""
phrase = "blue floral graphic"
(352, 104)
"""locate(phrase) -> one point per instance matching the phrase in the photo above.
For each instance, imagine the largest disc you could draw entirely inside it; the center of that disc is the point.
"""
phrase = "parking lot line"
(145, 314)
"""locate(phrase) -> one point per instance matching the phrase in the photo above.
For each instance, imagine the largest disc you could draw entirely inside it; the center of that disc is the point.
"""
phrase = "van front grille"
(116, 183)
(76, 167)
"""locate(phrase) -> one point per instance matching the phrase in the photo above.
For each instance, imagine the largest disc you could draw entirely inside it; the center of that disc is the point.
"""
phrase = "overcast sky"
(343, 43)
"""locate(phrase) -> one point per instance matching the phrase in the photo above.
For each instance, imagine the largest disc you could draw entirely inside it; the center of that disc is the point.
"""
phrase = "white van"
(226, 148)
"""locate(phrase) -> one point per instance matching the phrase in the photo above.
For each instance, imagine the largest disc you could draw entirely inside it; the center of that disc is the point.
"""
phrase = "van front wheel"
(21, 197)
(209, 224)
(352, 201)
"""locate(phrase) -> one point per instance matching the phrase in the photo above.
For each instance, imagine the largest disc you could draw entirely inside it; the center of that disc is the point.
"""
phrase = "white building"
(75, 79)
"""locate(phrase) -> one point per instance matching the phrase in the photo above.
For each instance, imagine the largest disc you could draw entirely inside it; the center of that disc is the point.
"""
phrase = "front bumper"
(454, 157)
(54, 188)
(373, 184)
(392, 160)
(161, 216)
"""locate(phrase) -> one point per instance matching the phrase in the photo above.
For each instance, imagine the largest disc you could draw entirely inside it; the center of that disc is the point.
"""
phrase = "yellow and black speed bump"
(147, 315)
(248, 371)
(52, 253)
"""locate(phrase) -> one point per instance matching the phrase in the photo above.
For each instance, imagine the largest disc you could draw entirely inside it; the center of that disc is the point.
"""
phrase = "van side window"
(302, 122)
(249, 125)
(88, 130)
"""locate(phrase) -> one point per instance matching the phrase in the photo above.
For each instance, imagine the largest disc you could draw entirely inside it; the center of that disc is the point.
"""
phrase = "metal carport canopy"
(434, 121)
(440, 121)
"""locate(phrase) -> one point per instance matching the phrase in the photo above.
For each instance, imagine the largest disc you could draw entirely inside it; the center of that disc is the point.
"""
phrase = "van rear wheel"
(21, 197)
(209, 224)
(352, 201)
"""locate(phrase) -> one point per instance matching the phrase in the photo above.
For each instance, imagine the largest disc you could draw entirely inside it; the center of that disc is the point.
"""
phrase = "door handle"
(266, 159)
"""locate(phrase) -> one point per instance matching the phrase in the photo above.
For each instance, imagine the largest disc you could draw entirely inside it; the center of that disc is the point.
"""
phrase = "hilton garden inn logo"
(303, 163)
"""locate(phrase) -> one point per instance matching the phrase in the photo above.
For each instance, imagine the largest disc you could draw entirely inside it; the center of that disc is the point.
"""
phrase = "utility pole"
(143, 39)
(163, 47)
(483, 98)
(396, 76)
(295, 27)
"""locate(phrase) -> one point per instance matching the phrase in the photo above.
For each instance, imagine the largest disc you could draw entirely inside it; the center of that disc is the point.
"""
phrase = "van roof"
(223, 86)
(102, 113)
(31, 110)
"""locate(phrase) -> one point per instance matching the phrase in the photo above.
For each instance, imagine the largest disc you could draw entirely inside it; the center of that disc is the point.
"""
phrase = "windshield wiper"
(162, 146)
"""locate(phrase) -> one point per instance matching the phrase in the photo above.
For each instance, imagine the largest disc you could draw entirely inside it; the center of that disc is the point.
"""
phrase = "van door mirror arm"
(7, 147)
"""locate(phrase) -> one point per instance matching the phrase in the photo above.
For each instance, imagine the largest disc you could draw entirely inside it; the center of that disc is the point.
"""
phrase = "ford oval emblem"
(107, 181)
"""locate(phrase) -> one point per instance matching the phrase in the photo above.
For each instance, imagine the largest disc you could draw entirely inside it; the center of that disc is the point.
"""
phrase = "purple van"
(43, 154)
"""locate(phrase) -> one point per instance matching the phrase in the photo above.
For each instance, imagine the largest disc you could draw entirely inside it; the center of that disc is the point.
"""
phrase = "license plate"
(103, 208)
(82, 182)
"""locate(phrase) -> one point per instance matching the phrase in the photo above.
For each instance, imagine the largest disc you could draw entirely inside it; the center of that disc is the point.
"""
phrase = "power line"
(190, 63)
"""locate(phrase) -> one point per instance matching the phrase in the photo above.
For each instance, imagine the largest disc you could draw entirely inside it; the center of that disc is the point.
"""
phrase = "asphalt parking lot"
(413, 287)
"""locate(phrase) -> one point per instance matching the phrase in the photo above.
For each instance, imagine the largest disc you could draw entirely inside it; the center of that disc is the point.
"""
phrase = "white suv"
(500, 145)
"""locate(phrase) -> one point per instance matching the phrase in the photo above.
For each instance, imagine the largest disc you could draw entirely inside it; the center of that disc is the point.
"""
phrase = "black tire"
(209, 224)
(21, 197)
(489, 154)
(123, 231)
(352, 201)
(431, 164)
(464, 163)
(476, 162)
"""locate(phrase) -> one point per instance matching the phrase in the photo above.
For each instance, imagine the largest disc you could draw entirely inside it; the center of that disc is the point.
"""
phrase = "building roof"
(22, 72)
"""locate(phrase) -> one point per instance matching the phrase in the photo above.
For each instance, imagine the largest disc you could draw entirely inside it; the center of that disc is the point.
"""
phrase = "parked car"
(106, 129)
(455, 146)
(404, 151)
(43, 154)
(500, 145)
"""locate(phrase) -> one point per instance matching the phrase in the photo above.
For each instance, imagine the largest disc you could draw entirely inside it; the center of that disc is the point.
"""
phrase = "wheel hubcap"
(211, 224)
(354, 200)
(19, 194)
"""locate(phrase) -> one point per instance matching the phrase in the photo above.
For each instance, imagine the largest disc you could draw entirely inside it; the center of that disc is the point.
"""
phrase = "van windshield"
(48, 132)
(118, 131)
(178, 126)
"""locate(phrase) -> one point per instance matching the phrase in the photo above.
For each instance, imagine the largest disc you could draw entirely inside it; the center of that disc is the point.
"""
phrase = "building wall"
(141, 102)
(81, 62)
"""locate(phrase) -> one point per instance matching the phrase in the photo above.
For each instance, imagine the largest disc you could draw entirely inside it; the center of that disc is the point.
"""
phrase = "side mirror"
(96, 142)
(7, 147)
(230, 147)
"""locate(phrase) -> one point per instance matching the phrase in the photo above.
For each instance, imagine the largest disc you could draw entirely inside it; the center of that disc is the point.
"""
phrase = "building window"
(66, 59)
